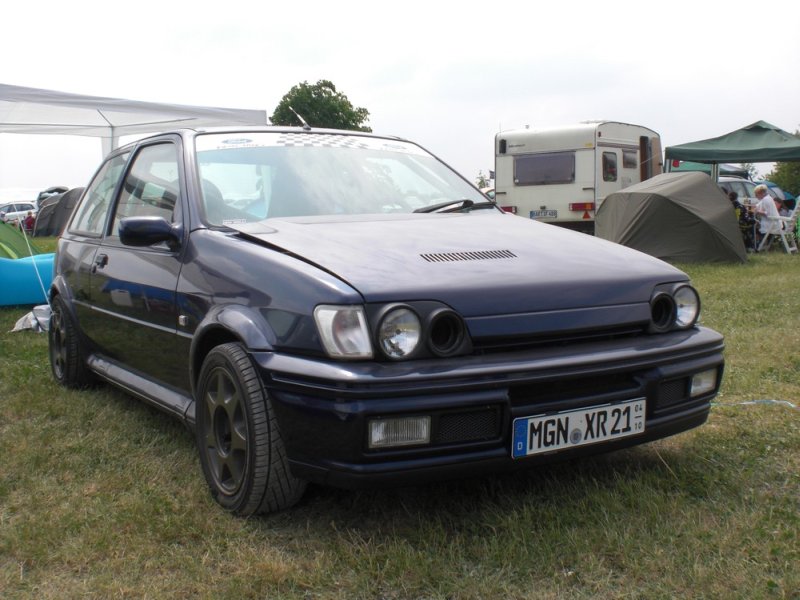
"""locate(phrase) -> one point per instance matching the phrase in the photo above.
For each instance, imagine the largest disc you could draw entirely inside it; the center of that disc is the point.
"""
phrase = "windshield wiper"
(450, 205)
(463, 205)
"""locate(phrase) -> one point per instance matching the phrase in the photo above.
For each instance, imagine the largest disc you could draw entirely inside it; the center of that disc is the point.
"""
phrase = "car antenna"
(306, 126)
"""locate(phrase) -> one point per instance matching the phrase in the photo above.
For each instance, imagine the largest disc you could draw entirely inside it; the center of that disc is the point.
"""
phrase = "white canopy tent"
(33, 110)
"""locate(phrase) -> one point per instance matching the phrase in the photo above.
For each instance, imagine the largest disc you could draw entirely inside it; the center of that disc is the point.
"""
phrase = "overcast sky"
(448, 75)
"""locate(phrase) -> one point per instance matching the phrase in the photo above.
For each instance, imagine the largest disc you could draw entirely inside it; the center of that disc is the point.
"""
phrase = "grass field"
(102, 497)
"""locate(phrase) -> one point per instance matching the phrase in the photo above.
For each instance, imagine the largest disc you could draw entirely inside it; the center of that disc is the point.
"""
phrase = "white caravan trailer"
(562, 175)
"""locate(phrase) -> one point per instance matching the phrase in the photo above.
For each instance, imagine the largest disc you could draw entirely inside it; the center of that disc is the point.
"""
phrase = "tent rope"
(38, 275)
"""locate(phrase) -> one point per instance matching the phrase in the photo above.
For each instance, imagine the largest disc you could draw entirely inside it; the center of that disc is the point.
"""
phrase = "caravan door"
(608, 172)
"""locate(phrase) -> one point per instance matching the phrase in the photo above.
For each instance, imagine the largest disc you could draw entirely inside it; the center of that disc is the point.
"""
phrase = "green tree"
(752, 173)
(482, 180)
(787, 176)
(320, 105)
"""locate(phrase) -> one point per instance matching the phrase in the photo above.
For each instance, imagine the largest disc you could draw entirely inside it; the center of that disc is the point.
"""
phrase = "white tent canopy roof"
(33, 110)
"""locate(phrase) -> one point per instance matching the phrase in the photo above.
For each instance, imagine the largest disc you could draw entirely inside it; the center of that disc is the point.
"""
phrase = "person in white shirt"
(766, 211)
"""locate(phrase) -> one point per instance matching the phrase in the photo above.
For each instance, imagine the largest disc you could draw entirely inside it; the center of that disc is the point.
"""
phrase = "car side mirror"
(146, 231)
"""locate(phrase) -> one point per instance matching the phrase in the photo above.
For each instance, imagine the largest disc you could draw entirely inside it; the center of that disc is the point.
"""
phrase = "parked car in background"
(744, 188)
(16, 211)
(344, 308)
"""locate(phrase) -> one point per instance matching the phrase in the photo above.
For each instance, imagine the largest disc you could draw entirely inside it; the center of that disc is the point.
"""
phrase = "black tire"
(241, 449)
(66, 349)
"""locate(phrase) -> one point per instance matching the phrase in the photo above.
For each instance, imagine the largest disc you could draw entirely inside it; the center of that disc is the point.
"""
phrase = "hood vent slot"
(473, 255)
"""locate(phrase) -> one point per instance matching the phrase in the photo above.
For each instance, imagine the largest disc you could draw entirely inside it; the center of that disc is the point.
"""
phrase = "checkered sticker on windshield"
(319, 140)
(303, 140)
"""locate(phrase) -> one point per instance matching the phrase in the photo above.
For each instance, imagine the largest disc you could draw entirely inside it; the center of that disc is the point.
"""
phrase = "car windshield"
(252, 176)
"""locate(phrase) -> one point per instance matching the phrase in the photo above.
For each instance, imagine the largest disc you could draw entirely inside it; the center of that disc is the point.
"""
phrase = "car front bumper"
(323, 406)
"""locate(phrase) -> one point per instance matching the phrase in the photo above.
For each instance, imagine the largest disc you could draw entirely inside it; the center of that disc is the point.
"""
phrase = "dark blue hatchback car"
(344, 308)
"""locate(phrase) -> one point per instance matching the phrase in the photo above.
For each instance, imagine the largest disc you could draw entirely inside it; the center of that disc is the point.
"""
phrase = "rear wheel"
(241, 449)
(67, 354)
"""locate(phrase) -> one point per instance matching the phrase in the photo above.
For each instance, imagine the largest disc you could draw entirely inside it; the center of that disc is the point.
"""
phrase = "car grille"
(598, 389)
(509, 344)
(671, 393)
(582, 387)
(481, 424)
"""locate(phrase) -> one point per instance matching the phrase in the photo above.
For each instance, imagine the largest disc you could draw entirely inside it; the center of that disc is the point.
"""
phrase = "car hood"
(479, 263)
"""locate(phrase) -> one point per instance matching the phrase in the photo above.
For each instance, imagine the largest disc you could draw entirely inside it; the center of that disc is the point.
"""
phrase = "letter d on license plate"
(572, 428)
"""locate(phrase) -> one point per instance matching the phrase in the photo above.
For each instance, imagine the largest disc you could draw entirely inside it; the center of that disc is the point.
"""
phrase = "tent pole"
(715, 172)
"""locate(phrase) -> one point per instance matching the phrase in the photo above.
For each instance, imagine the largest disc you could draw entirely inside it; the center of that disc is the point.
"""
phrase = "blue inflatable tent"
(25, 274)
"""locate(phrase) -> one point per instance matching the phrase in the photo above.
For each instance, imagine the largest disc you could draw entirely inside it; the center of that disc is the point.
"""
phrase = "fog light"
(401, 431)
(704, 383)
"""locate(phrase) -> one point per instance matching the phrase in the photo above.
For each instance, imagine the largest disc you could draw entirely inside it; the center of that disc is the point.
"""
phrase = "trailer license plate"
(548, 214)
(572, 428)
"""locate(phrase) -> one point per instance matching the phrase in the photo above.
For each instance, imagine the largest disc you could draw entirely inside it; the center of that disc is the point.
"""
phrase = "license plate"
(549, 214)
(572, 428)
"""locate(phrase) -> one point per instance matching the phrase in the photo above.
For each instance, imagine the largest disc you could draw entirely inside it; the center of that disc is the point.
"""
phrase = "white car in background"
(13, 211)
(744, 188)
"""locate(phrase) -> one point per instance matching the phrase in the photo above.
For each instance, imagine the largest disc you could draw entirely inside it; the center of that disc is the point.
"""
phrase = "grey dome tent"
(677, 217)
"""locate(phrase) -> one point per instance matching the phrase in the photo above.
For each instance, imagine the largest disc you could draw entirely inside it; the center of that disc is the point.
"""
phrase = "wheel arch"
(59, 287)
(230, 323)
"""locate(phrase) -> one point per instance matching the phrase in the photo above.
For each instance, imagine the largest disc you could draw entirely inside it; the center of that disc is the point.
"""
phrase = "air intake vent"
(459, 256)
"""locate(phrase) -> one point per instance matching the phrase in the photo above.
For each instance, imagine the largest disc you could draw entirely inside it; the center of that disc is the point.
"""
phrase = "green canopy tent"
(759, 142)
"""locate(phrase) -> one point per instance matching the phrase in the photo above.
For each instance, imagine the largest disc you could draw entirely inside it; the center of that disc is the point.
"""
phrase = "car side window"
(151, 186)
(90, 216)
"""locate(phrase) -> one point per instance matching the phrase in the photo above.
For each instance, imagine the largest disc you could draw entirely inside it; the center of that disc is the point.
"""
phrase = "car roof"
(192, 132)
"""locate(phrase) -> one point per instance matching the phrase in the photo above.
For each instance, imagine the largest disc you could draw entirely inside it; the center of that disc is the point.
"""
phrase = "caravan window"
(609, 166)
(629, 159)
(542, 169)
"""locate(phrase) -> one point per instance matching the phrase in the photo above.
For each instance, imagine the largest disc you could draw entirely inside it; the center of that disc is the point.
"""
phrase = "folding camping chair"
(784, 228)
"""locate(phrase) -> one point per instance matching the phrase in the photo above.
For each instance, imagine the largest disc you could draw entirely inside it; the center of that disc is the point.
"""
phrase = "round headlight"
(399, 333)
(446, 332)
(687, 307)
(662, 313)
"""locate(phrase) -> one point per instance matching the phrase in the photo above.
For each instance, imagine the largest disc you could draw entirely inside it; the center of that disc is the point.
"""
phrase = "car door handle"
(99, 262)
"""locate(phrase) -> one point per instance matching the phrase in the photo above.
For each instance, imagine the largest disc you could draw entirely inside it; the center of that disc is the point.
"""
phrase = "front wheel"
(241, 449)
